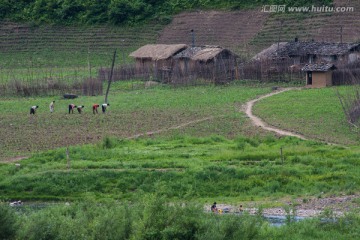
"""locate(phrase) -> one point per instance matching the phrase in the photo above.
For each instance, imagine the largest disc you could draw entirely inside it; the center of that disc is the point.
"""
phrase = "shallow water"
(278, 221)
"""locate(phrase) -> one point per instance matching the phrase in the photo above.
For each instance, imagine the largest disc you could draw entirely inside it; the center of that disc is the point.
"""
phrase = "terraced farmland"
(233, 30)
(21, 40)
(248, 32)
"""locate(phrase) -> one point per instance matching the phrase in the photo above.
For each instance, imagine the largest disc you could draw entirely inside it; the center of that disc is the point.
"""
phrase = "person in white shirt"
(79, 108)
(32, 109)
(51, 106)
(104, 106)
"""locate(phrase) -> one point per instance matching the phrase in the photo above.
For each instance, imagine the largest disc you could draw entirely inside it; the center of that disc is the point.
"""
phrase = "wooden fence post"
(68, 158)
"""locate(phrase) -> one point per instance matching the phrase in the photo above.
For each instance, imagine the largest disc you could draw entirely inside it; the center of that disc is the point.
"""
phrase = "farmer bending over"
(51, 106)
(104, 106)
(71, 108)
(95, 107)
(79, 108)
(32, 109)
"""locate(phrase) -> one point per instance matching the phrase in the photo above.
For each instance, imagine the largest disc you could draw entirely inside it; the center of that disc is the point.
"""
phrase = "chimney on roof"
(192, 38)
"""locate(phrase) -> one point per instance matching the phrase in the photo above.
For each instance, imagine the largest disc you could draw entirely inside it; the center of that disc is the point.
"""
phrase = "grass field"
(315, 113)
(135, 110)
(245, 166)
(185, 168)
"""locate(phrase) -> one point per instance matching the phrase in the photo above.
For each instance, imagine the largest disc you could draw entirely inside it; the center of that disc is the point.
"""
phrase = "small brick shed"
(318, 75)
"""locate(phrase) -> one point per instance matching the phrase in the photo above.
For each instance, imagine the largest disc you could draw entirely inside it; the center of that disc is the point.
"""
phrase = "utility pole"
(192, 38)
(110, 77)
(68, 158)
(279, 34)
(341, 28)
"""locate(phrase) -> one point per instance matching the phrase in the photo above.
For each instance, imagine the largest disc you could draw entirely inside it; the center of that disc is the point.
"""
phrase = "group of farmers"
(72, 107)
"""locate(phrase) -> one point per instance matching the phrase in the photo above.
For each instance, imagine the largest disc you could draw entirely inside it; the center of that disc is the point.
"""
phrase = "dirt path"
(170, 128)
(13, 159)
(260, 123)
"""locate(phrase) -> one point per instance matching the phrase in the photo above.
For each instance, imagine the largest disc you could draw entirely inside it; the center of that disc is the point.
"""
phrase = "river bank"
(301, 207)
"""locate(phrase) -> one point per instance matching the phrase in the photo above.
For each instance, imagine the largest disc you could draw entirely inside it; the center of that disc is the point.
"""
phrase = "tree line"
(119, 11)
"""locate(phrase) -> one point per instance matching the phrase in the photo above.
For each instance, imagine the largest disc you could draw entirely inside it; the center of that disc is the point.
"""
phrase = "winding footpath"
(248, 109)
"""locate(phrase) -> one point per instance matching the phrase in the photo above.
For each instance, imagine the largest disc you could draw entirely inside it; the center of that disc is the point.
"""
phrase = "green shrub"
(160, 220)
(108, 142)
(8, 220)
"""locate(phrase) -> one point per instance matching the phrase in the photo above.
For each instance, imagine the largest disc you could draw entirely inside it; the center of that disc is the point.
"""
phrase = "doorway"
(309, 78)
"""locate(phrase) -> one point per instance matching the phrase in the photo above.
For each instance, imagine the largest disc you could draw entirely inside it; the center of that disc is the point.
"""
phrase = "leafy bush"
(7, 222)
(159, 220)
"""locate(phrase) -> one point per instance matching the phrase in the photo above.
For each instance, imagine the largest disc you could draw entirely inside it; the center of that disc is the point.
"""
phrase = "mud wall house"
(318, 75)
(156, 59)
(212, 63)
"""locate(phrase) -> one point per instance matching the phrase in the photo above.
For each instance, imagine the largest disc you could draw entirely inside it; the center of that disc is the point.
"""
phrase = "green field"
(315, 113)
(134, 110)
(171, 129)
(185, 169)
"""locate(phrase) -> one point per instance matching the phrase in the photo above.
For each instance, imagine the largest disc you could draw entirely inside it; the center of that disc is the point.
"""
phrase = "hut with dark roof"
(318, 75)
(312, 52)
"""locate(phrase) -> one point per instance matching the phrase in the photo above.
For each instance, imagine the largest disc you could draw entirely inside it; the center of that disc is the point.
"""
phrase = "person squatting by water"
(33, 109)
(51, 106)
(241, 208)
(214, 208)
(95, 107)
(71, 108)
(79, 108)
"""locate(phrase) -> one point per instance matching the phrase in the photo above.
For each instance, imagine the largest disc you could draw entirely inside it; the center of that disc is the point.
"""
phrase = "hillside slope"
(70, 46)
(233, 30)
(247, 32)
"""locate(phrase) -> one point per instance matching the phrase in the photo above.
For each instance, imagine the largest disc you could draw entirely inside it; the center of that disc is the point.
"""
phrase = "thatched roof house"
(205, 53)
(154, 57)
(178, 61)
(312, 52)
(270, 52)
(157, 51)
(208, 62)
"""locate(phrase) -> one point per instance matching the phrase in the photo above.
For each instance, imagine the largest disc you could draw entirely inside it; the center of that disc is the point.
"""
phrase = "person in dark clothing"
(79, 108)
(33, 109)
(71, 108)
(214, 208)
(104, 106)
